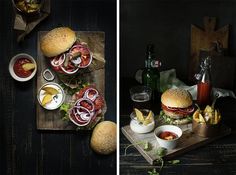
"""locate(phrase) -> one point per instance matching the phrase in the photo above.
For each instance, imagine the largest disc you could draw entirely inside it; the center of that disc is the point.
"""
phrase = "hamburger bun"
(177, 98)
(57, 41)
(103, 140)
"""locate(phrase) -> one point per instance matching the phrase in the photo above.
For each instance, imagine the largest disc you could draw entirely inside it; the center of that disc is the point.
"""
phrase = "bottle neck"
(206, 75)
(148, 62)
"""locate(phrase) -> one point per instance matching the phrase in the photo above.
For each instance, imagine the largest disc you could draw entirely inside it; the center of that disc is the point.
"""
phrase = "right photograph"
(177, 87)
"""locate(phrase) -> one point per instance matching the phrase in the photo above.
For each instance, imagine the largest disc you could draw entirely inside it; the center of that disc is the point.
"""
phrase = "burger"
(67, 55)
(177, 106)
(88, 107)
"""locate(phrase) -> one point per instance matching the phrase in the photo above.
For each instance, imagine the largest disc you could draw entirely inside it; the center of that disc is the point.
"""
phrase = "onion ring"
(77, 119)
(79, 103)
(58, 60)
(93, 98)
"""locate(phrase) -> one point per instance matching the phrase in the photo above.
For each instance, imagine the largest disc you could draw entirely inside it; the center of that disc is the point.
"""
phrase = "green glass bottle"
(151, 77)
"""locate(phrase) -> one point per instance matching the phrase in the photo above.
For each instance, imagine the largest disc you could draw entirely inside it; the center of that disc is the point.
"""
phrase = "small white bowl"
(168, 144)
(140, 128)
(56, 102)
(12, 62)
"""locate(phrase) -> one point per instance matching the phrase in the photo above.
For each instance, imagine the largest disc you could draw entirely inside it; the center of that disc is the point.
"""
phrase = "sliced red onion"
(188, 110)
(76, 60)
(88, 91)
(76, 117)
(78, 103)
(77, 46)
(59, 60)
(90, 61)
(69, 72)
(84, 115)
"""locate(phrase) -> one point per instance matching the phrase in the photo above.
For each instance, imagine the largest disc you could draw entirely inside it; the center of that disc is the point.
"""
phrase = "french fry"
(201, 119)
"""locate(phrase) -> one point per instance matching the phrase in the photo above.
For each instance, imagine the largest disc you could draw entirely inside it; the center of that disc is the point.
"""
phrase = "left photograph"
(58, 94)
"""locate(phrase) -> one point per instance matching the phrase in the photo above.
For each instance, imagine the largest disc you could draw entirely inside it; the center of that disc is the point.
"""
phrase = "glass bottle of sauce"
(151, 76)
(204, 85)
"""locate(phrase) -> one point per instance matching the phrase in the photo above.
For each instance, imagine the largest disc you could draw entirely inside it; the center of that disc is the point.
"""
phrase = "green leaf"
(161, 151)
(65, 107)
(153, 172)
(174, 161)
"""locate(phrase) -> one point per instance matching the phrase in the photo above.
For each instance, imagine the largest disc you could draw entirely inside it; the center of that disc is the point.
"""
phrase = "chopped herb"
(65, 107)
(161, 152)
(174, 161)
(153, 172)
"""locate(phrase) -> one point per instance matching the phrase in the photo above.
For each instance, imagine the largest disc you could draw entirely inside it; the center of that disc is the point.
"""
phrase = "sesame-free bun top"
(57, 41)
(178, 98)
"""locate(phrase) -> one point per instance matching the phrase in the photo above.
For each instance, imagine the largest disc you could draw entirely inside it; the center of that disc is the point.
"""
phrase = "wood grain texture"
(52, 120)
(25, 150)
(187, 142)
(202, 39)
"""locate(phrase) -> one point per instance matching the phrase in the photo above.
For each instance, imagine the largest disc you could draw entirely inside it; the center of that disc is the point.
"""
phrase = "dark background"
(23, 148)
(167, 24)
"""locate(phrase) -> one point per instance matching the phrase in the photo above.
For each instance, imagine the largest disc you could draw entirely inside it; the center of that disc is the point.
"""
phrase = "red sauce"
(203, 93)
(167, 135)
(18, 69)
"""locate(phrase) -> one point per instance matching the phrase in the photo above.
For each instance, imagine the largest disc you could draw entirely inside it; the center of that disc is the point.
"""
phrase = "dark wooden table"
(218, 157)
(24, 150)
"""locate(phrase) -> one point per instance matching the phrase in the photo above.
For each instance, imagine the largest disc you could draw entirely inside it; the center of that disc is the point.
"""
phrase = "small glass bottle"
(151, 76)
(204, 85)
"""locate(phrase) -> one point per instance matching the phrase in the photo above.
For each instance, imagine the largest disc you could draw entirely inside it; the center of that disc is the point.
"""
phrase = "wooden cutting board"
(187, 142)
(202, 39)
(52, 120)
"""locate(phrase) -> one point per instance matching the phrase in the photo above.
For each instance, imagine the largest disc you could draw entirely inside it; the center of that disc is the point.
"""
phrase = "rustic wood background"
(187, 142)
(167, 24)
(203, 38)
(24, 150)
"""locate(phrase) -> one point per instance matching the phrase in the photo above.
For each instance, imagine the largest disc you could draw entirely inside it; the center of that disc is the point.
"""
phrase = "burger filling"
(180, 115)
(181, 111)
(70, 62)
(172, 121)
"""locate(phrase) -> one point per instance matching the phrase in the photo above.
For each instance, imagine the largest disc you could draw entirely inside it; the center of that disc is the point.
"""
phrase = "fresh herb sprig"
(153, 172)
(146, 145)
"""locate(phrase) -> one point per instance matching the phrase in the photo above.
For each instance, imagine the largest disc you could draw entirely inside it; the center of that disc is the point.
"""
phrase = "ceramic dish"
(55, 99)
(168, 144)
(15, 60)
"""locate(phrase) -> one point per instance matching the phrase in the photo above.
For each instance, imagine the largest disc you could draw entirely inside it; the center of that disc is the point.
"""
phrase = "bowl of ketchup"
(22, 67)
(168, 135)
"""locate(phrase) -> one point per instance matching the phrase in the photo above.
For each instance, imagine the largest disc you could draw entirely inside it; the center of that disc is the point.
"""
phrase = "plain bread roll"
(103, 140)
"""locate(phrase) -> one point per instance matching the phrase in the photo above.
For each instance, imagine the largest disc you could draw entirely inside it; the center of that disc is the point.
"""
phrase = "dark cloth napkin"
(25, 25)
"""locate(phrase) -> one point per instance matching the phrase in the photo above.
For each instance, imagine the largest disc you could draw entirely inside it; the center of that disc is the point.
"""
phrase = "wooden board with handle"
(202, 39)
(187, 142)
(52, 120)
